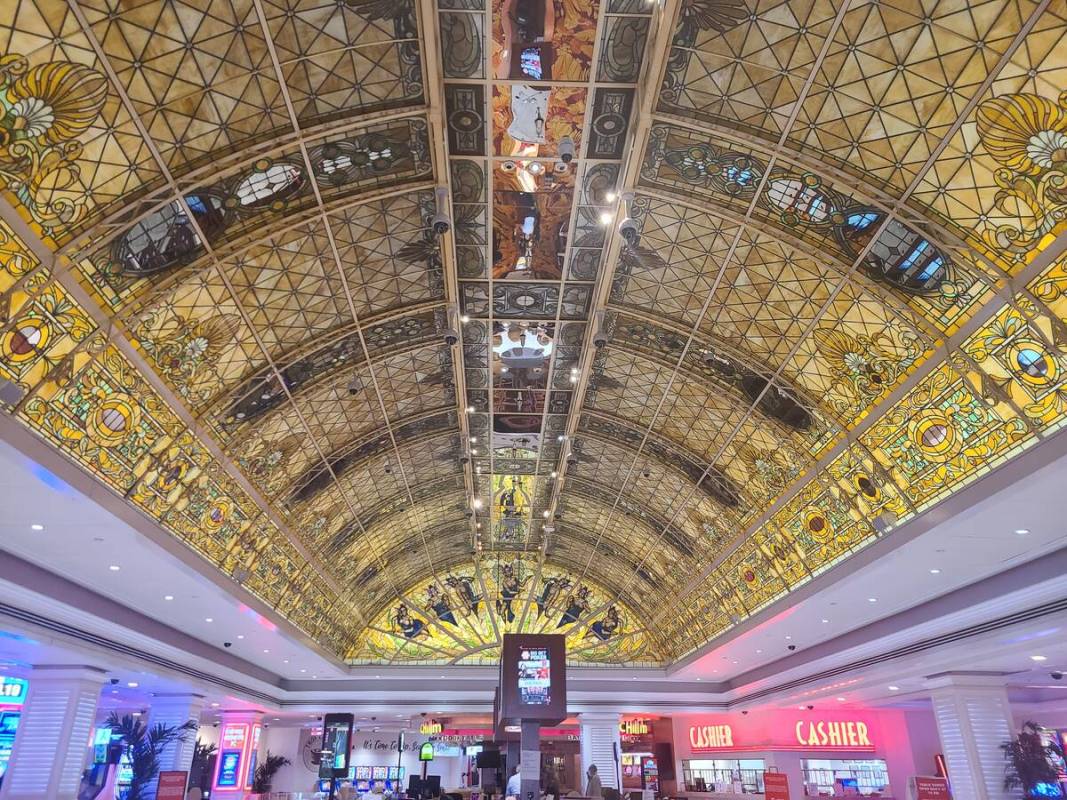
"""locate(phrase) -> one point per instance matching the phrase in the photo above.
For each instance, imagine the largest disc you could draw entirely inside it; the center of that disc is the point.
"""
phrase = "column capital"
(599, 716)
(68, 672)
(967, 680)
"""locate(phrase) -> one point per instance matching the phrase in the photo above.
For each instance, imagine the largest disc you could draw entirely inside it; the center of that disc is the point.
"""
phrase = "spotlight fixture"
(37, 527)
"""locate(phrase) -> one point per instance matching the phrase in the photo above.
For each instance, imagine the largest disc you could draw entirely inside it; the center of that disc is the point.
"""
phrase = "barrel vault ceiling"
(223, 294)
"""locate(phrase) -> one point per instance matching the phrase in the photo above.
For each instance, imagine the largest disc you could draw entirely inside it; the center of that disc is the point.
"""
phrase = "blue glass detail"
(739, 175)
(196, 205)
(932, 268)
(861, 221)
(913, 256)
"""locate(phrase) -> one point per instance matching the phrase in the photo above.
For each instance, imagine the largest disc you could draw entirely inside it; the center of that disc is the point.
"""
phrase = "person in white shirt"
(514, 787)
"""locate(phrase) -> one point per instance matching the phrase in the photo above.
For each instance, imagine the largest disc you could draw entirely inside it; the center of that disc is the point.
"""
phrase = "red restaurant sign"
(171, 785)
(930, 788)
(776, 786)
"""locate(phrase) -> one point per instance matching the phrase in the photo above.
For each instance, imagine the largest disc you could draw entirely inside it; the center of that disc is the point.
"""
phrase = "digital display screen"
(380, 773)
(362, 773)
(530, 63)
(229, 767)
(535, 676)
(336, 744)
(396, 773)
(10, 721)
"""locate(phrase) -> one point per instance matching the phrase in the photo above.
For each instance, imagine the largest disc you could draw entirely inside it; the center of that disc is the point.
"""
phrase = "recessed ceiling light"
(1038, 658)
(787, 638)
(1022, 531)
(276, 719)
(935, 571)
(136, 713)
(840, 699)
(303, 670)
(214, 705)
(114, 568)
(285, 660)
(464, 319)
(698, 679)
(133, 684)
(168, 597)
(633, 679)
(605, 218)
(872, 599)
(377, 676)
(758, 652)
(825, 621)
(894, 688)
(37, 527)
(314, 676)
(208, 619)
(266, 650)
(240, 636)
(610, 197)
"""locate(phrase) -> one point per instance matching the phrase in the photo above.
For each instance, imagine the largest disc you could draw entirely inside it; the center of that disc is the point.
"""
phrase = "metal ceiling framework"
(224, 295)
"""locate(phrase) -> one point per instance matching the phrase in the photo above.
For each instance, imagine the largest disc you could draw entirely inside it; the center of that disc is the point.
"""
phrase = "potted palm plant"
(143, 745)
(201, 768)
(1031, 761)
(266, 771)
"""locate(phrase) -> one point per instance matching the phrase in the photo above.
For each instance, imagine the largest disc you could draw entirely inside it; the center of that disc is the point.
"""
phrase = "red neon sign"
(780, 731)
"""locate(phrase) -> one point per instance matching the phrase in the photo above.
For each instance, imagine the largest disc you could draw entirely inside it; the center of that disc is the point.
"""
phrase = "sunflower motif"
(1024, 132)
(867, 370)
(43, 110)
(194, 345)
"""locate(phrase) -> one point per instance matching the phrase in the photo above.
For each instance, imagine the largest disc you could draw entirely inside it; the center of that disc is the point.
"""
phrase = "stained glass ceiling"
(838, 299)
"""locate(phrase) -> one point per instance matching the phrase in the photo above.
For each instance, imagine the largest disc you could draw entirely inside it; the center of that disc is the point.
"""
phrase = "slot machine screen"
(362, 773)
(380, 773)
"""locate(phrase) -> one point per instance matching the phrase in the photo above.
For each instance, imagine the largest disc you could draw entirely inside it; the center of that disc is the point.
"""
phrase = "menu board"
(535, 676)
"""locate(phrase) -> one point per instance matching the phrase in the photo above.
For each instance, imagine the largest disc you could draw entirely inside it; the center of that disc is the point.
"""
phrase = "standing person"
(514, 787)
(592, 787)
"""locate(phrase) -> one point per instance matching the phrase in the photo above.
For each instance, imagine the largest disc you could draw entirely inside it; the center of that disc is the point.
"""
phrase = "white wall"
(368, 749)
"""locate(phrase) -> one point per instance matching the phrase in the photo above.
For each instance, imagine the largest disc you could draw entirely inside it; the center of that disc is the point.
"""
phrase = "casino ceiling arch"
(840, 297)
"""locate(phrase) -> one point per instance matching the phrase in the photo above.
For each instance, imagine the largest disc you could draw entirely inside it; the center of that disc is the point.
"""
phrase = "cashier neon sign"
(805, 735)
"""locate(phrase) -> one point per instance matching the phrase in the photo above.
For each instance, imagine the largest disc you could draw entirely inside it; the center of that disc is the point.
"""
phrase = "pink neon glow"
(262, 621)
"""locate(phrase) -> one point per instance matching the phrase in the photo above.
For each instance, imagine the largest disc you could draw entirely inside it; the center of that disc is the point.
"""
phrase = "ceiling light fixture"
(1022, 531)
(935, 571)
(894, 688)
(872, 599)
(477, 504)
(114, 568)
(824, 621)
(240, 636)
(605, 218)
(464, 319)
(37, 527)
(168, 597)
(133, 684)
(553, 474)
(470, 409)
(840, 699)
(1038, 658)
(611, 197)
(208, 619)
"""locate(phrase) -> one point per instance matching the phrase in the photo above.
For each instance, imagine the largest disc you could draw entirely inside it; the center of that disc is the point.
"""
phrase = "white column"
(174, 710)
(52, 740)
(601, 744)
(973, 720)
